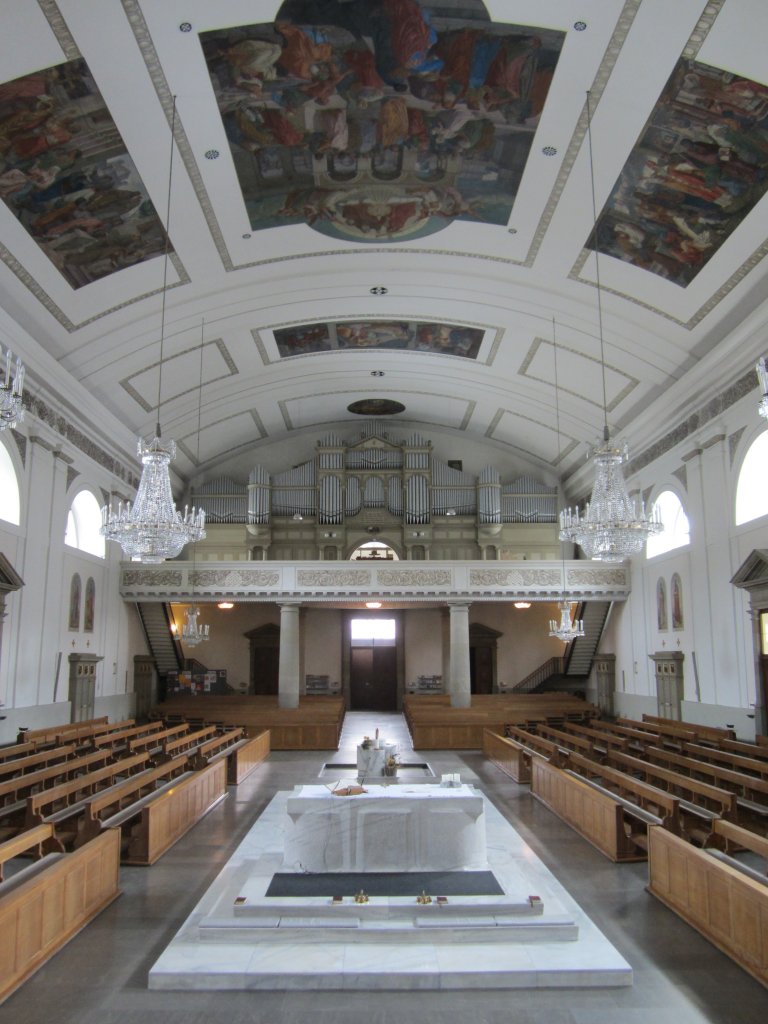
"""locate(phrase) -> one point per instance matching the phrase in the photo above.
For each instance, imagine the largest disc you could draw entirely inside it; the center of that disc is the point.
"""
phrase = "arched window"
(10, 504)
(676, 532)
(751, 492)
(83, 525)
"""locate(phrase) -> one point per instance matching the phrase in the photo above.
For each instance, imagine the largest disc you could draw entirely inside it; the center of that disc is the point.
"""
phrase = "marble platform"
(236, 938)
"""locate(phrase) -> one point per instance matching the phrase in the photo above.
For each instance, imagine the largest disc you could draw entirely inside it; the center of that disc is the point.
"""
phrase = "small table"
(388, 828)
(371, 760)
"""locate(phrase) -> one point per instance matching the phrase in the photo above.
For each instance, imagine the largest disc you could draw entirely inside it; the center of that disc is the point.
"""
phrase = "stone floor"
(101, 976)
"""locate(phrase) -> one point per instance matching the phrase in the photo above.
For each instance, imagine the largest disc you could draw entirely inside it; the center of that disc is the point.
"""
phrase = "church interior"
(398, 298)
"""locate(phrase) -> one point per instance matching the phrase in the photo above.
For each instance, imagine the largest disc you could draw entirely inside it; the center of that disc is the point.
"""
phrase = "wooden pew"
(120, 737)
(602, 740)
(699, 800)
(242, 754)
(19, 787)
(51, 733)
(61, 803)
(723, 902)
(14, 750)
(40, 759)
(43, 909)
(738, 762)
(583, 744)
(153, 817)
(184, 743)
(713, 733)
(616, 823)
(755, 750)
(154, 740)
(508, 755)
(35, 842)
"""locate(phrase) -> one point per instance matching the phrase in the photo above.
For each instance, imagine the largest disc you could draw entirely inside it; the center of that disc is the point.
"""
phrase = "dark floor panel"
(386, 883)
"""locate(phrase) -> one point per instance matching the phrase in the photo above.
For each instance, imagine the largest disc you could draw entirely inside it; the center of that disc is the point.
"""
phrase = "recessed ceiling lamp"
(611, 529)
(225, 605)
(151, 529)
(11, 408)
(373, 604)
(522, 604)
(762, 376)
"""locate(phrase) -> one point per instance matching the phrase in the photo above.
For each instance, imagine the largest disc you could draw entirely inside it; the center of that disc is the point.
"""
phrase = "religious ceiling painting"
(699, 168)
(65, 174)
(403, 335)
(380, 120)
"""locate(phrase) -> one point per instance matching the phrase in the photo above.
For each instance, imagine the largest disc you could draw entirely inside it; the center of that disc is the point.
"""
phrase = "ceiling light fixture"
(762, 376)
(225, 605)
(11, 390)
(373, 604)
(611, 529)
(522, 604)
(566, 629)
(152, 529)
(194, 632)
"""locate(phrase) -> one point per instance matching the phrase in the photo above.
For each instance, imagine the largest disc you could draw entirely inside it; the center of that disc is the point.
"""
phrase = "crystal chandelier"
(612, 527)
(151, 529)
(762, 376)
(192, 631)
(11, 409)
(566, 629)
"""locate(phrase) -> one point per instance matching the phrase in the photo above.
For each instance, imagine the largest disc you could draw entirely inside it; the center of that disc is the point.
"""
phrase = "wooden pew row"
(242, 753)
(699, 800)
(155, 808)
(757, 750)
(752, 792)
(508, 755)
(713, 733)
(637, 739)
(314, 725)
(728, 759)
(614, 823)
(728, 906)
(21, 786)
(602, 740)
(51, 732)
(36, 761)
(14, 750)
(60, 805)
(41, 910)
(184, 743)
(35, 842)
(571, 741)
(153, 741)
(120, 737)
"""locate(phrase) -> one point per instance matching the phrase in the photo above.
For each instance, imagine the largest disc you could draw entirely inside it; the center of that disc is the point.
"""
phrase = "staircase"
(571, 672)
(163, 646)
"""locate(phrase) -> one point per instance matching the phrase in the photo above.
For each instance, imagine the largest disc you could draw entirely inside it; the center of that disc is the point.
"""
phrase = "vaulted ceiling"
(383, 201)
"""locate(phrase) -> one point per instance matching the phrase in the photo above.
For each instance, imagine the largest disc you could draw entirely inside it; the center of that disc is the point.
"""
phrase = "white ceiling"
(666, 346)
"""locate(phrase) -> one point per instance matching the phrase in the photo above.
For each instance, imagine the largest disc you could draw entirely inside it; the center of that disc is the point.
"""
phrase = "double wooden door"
(373, 679)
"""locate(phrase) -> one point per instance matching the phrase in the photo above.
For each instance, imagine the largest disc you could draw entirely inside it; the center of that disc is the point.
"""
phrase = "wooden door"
(481, 669)
(373, 679)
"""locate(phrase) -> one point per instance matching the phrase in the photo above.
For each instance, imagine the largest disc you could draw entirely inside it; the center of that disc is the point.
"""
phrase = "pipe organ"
(376, 479)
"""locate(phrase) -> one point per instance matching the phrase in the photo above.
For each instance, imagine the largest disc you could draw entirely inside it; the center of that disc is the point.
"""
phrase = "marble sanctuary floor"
(101, 977)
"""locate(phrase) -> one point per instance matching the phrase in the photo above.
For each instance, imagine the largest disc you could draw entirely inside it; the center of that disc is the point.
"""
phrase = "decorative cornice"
(414, 577)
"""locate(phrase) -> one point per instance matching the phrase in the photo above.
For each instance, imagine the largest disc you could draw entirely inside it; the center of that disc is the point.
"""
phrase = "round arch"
(84, 523)
(10, 487)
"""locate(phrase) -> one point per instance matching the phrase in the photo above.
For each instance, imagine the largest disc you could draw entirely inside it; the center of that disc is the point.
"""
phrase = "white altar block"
(408, 828)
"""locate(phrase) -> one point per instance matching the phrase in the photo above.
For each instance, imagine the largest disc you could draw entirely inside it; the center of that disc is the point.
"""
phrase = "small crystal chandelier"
(192, 631)
(762, 376)
(151, 529)
(566, 629)
(612, 527)
(11, 409)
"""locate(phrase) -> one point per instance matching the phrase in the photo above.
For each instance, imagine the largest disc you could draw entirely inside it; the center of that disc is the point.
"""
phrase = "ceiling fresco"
(437, 338)
(66, 176)
(380, 121)
(699, 168)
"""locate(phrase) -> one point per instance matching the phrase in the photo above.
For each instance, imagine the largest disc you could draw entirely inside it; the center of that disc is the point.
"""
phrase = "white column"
(459, 685)
(288, 674)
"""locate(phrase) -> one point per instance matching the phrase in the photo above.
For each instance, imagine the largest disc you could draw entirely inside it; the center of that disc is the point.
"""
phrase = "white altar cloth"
(404, 828)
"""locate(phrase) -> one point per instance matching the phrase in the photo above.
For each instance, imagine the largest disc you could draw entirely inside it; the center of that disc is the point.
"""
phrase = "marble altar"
(387, 828)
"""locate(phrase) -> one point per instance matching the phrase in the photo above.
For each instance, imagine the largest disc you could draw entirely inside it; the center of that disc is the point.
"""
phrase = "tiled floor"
(101, 976)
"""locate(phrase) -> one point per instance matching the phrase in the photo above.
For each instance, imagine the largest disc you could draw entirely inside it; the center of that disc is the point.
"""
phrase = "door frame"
(346, 648)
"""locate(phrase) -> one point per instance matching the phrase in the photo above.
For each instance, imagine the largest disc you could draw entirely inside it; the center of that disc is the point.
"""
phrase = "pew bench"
(728, 759)
(118, 738)
(152, 742)
(21, 786)
(43, 908)
(51, 732)
(14, 750)
(154, 809)
(185, 743)
(40, 759)
(243, 754)
(508, 755)
(712, 733)
(35, 842)
(725, 903)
